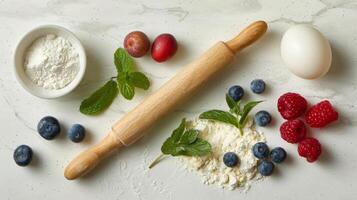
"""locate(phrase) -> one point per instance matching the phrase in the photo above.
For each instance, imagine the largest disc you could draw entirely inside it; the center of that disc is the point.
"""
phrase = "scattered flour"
(51, 62)
(225, 138)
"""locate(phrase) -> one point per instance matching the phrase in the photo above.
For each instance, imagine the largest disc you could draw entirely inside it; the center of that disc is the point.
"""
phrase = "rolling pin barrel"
(135, 124)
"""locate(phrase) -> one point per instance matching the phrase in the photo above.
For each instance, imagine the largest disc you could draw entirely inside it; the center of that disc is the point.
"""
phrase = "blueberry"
(262, 118)
(76, 133)
(48, 127)
(230, 159)
(261, 150)
(266, 168)
(236, 92)
(278, 155)
(257, 86)
(23, 155)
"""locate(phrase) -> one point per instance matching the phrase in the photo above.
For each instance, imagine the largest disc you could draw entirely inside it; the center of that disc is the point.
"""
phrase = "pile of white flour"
(51, 62)
(225, 138)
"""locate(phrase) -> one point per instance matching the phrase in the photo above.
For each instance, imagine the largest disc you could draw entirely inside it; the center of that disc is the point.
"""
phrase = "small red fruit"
(137, 44)
(321, 114)
(163, 47)
(310, 148)
(293, 131)
(291, 105)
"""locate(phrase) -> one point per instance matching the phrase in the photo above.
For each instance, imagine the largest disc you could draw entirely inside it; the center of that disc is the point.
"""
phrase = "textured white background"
(102, 25)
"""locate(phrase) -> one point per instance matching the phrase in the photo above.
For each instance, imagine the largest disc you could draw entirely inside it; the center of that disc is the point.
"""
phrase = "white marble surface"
(102, 25)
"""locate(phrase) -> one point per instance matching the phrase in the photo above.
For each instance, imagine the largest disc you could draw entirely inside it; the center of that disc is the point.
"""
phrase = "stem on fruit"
(157, 160)
(113, 78)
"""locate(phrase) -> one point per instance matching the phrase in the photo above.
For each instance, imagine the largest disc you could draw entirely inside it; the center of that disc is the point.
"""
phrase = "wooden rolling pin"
(136, 123)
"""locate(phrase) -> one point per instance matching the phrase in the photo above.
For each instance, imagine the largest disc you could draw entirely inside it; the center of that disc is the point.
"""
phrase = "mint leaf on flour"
(233, 106)
(230, 102)
(169, 147)
(219, 115)
(100, 99)
(246, 109)
(236, 116)
(177, 133)
(183, 142)
(199, 148)
(190, 136)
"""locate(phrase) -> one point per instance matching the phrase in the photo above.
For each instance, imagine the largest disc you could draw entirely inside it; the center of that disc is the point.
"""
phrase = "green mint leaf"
(172, 148)
(138, 79)
(177, 133)
(230, 102)
(199, 148)
(127, 90)
(189, 136)
(122, 78)
(167, 147)
(100, 99)
(246, 109)
(236, 109)
(185, 142)
(219, 115)
(122, 61)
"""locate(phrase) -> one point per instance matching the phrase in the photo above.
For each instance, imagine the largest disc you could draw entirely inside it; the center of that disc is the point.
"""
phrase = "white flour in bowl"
(225, 138)
(51, 62)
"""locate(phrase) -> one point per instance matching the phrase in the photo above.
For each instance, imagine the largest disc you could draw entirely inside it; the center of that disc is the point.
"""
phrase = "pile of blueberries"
(260, 151)
(48, 127)
(266, 158)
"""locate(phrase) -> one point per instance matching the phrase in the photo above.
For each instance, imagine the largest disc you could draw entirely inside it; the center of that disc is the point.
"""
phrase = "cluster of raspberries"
(292, 106)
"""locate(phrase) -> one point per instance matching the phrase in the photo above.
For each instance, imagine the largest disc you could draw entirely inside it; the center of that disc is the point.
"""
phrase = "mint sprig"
(236, 116)
(100, 99)
(185, 142)
(124, 83)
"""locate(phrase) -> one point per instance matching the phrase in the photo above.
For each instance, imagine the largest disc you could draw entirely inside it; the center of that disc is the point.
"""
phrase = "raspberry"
(293, 131)
(291, 105)
(321, 115)
(309, 148)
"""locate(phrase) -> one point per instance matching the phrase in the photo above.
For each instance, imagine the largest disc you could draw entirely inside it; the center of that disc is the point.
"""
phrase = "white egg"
(306, 52)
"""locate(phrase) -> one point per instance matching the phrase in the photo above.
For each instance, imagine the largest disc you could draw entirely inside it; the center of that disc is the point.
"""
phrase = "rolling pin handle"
(90, 158)
(248, 36)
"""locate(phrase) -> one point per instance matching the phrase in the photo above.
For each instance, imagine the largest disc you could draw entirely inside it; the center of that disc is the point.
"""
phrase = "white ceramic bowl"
(25, 43)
